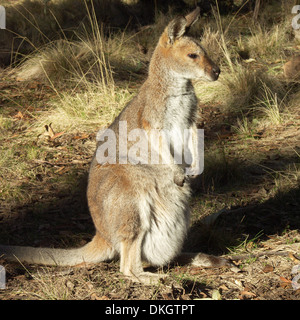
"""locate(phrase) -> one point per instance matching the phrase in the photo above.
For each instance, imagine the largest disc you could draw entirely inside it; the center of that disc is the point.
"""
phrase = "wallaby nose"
(216, 71)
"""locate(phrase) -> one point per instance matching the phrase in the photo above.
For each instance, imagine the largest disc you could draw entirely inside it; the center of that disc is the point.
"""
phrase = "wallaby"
(141, 211)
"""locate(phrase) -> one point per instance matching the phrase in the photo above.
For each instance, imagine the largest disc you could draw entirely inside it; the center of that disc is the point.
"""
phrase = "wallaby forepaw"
(179, 181)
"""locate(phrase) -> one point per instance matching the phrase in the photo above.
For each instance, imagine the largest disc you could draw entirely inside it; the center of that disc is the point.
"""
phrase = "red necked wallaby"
(140, 210)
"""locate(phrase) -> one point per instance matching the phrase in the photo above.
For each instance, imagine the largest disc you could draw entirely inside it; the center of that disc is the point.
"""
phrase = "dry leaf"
(50, 132)
(203, 295)
(33, 85)
(195, 270)
(95, 297)
(57, 135)
(81, 137)
(247, 295)
(223, 287)
(83, 265)
(268, 268)
(59, 170)
(293, 258)
(216, 295)
(250, 60)
(19, 115)
(285, 283)
(166, 296)
(238, 283)
(285, 280)
(90, 286)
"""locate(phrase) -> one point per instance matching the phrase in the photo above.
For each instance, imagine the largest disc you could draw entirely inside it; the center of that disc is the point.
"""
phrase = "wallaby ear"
(176, 29)
(192, 17)
(180, 25)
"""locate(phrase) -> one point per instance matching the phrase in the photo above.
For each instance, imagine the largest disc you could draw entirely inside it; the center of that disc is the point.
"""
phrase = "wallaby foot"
(131, 263)
(147, 278)
(203, 260)
(209, 261)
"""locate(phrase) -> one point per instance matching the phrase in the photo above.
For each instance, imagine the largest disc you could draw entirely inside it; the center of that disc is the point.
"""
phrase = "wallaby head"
(183, 55)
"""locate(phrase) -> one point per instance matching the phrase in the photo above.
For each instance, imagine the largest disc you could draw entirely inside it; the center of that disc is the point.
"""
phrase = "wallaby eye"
(193, 55)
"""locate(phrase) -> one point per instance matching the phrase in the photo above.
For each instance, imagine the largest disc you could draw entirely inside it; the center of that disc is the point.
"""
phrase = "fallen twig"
(75, 161)
(260, 254)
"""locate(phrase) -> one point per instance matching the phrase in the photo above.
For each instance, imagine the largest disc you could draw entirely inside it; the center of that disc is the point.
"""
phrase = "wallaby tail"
(95, 251)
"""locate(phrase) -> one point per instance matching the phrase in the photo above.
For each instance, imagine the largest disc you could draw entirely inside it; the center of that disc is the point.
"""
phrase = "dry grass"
(87, 67)
(92, 108)
(270, 43)
(92, 58)
(270, 105)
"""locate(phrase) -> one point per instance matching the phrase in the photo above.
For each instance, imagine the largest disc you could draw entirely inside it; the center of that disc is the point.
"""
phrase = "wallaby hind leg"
(99, 250)
(131, 262)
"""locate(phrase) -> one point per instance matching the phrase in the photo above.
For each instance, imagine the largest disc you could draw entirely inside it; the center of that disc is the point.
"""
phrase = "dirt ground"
(263, 278)
(253, 223)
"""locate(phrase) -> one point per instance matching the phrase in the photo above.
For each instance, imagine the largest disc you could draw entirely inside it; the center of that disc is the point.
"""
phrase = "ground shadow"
(63, 220)
(254, 222)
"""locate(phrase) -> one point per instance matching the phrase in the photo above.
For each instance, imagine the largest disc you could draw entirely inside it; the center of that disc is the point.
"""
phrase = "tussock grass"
(87, 110)
(243, 91)
(243, 127)
(92, 59)
(287, 180)
(271, 106)
(211, 40)
(84, 67)
(56, 61)
(268, 43)
(5, 123)
(245, 87)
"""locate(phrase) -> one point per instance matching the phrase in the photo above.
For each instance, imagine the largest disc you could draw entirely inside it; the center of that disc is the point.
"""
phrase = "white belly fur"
(165, 217)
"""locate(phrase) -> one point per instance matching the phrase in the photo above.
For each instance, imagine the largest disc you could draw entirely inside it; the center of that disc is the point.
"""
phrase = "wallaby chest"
(180, 113)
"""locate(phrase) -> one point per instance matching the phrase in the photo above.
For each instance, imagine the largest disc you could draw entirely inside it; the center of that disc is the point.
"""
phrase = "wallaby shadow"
(258, 220)
(60, 220)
